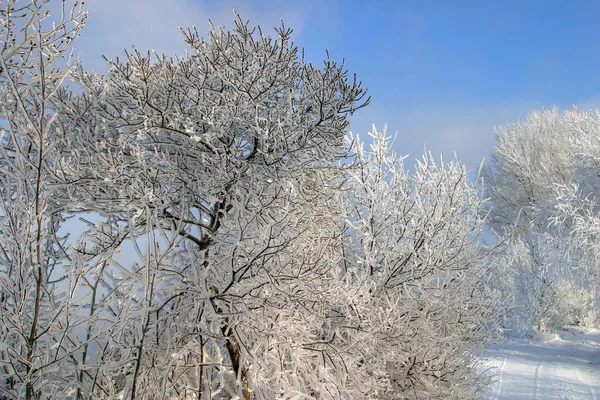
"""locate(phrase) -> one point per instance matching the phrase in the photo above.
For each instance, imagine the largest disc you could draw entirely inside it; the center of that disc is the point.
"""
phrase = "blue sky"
(440, 73)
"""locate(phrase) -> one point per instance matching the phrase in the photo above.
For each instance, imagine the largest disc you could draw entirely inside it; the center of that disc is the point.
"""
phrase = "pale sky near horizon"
(440, 73)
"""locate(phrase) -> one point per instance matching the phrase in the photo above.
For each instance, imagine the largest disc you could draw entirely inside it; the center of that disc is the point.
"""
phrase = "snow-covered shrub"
(415, 238)
(539, 290)
(578, 306)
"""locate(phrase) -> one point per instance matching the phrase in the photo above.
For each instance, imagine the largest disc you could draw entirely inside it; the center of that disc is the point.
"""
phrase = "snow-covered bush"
(534, 285)
(416, 238)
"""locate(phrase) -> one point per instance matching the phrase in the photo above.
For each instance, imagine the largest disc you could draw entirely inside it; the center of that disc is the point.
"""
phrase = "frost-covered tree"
(577, 211)
(38, 317)
(191, 227)
(229, 155)
(529, 158)
(539, 166)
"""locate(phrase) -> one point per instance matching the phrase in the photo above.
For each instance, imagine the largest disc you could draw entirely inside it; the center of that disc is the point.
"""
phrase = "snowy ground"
(562, 366)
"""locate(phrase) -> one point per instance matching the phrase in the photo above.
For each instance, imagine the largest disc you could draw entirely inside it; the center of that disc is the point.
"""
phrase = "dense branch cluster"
(205, 227)
(543, 185)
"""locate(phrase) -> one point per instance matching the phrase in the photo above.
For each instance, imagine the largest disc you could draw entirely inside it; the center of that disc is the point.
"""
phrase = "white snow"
(565, 365)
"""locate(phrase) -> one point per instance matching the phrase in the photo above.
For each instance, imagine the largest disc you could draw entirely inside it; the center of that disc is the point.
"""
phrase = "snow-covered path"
(564, 367)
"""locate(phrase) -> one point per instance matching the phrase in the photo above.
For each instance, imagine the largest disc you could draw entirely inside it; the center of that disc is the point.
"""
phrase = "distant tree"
(578, 212)
(530, 157)
(535, 166)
